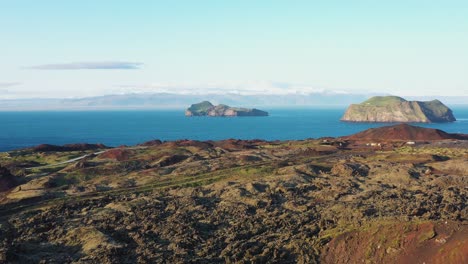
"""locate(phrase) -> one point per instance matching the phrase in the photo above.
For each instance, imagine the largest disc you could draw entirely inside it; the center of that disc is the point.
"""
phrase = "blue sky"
(87, 48)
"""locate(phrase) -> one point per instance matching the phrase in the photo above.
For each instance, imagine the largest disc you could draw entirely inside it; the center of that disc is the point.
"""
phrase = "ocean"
(130, 127)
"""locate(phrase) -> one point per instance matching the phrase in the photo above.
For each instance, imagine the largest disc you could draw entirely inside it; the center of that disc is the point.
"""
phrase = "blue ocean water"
(114, 128)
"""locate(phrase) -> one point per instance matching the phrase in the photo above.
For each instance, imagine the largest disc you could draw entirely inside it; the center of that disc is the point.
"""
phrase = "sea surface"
(130, 127)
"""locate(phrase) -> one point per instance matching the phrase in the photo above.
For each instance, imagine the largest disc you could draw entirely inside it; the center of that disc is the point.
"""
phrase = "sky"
(70, 49)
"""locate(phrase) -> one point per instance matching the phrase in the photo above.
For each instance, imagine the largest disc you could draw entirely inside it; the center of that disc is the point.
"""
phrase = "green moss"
(383, 100)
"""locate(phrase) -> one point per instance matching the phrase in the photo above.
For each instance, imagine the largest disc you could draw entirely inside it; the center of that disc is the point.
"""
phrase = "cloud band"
(102, 65)
(8, 84)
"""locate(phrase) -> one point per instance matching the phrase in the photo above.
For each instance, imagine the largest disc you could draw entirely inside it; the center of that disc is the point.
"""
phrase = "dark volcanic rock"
(7, 180)
(170, 160)
(68, 147)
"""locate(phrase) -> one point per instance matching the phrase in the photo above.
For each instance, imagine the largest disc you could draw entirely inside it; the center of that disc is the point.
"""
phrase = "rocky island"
(206, 108)
(397, 109)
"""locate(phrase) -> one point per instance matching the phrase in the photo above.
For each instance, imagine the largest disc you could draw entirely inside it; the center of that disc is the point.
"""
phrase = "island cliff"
(208, 109)
(397, 109)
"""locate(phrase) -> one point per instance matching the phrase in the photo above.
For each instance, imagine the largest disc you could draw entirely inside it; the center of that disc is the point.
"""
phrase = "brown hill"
(119, 154)
(404, 132)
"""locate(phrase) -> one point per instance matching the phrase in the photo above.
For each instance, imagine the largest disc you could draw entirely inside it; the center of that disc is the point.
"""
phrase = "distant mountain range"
(182, 101)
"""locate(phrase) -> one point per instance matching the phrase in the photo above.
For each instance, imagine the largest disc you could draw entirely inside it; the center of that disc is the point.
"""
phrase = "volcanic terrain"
(371, 197)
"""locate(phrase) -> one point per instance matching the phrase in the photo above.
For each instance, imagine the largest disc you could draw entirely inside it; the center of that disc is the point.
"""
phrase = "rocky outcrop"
(208, 109)
(397, 109)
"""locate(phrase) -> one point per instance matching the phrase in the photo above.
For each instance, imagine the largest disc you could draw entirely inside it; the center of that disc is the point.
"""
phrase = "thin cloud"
(8, 84)
(241, 88)
(99, 65)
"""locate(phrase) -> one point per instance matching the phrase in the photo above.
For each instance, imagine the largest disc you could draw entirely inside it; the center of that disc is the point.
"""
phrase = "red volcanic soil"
(7, 181)
(429, 242)
(117, 154)
(68, 147)
(404, 132)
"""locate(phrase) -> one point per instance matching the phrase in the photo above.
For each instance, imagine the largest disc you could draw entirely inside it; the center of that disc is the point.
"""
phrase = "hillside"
(397, 109)
(404, 132)
(243, 201)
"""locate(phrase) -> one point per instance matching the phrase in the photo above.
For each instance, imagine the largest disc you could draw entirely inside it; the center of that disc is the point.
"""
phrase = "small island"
(206, 108)
(397, 109)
